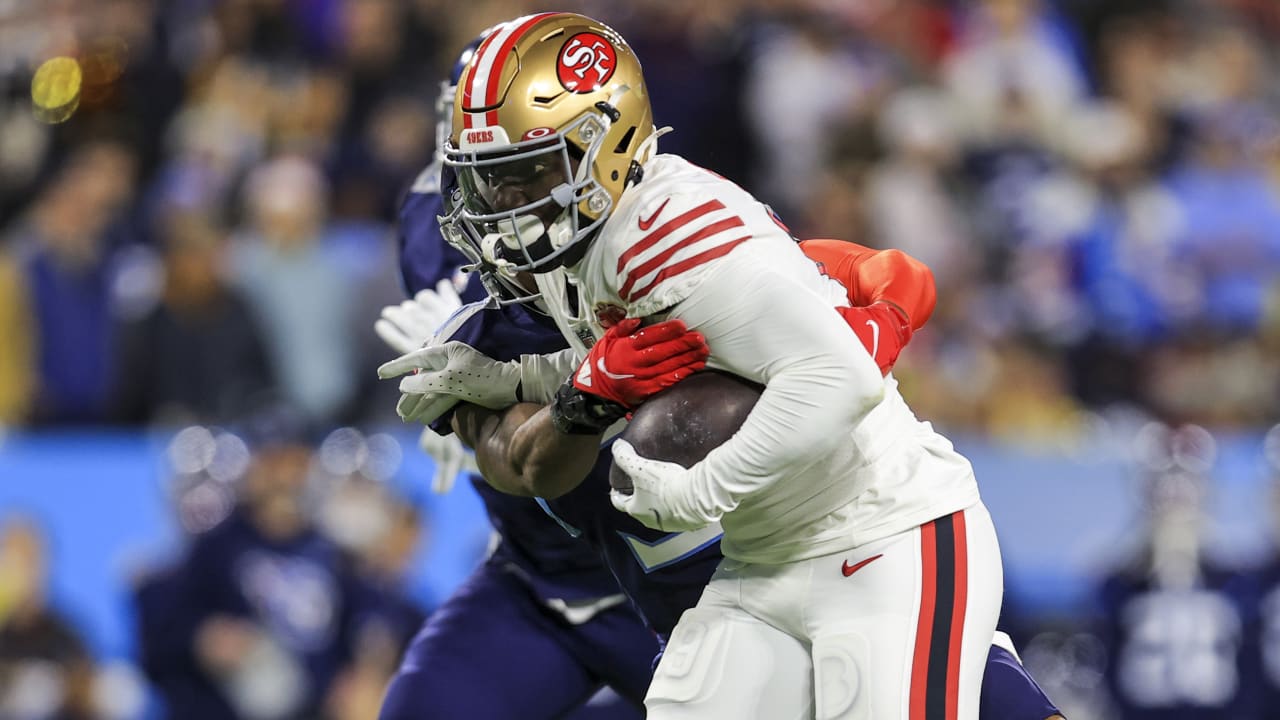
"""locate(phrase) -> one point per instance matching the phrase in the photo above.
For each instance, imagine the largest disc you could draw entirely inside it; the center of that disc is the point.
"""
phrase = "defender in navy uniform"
(662, 573)
(541, 624)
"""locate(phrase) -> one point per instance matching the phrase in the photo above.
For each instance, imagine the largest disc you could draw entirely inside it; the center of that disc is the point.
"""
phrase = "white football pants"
(896, 628)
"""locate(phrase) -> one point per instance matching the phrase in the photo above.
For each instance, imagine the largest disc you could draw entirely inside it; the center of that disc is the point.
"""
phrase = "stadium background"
(205, 240)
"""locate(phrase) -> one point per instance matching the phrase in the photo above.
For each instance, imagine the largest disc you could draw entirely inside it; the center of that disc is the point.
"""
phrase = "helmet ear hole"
(625, 143)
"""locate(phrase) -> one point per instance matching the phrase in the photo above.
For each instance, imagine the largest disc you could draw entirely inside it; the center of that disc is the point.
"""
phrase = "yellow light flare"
(55, 89)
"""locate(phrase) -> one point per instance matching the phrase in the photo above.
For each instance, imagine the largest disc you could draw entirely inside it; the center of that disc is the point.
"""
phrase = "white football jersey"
(831, 457)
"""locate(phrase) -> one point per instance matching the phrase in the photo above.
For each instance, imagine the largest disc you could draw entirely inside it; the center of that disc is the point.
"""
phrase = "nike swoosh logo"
(605, 371)
(646, 224)
(848, 569)
(875, 341)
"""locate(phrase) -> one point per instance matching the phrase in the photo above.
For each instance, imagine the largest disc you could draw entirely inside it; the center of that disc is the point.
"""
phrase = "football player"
(541, 618)
(664, 574)
(855, 539)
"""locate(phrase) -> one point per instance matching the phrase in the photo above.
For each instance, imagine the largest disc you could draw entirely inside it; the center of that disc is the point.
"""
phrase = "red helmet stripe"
(468, 78)
(486, 68)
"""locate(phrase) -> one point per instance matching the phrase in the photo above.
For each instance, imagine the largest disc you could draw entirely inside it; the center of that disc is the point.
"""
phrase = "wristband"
(575, 412)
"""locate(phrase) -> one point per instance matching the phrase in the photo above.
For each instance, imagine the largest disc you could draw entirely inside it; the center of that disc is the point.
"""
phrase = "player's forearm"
(519, 452)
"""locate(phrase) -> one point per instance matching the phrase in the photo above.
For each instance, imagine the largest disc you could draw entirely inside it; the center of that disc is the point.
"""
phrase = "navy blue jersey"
(554, 564)
(1178, 653)
(493, 651)
(425, 258)
(662, 573)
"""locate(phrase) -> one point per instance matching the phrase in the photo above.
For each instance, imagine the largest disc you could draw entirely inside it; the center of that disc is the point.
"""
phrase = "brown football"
(688, 420)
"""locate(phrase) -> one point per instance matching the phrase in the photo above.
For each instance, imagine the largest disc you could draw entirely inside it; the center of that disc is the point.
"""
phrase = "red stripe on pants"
(924, 624)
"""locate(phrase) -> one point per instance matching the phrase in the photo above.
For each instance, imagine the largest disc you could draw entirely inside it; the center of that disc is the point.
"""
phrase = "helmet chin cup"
(508, 250)
(493, 247)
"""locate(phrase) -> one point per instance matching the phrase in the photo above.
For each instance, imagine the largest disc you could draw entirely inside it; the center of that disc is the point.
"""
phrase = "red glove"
(631, 363)
(882, 328)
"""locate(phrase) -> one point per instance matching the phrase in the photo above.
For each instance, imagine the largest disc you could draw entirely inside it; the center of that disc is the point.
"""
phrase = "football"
(688, 420)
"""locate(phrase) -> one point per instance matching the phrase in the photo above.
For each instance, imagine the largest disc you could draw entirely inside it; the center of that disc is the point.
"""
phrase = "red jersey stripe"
(656, 261)
(924, 623)
(688, 264)
(666, 229)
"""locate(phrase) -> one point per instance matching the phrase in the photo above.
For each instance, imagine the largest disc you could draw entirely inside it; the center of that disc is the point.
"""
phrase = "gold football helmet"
(550, 122)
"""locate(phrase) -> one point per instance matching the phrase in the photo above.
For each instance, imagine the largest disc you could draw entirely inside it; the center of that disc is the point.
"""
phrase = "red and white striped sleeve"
(668, 246)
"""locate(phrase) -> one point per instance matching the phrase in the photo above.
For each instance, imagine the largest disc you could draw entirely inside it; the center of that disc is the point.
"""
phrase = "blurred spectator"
(257, 620)
(1230, 239)
(197, 356)
(302, 296)
(17, 353)
(1174, 617)
(68, 270)
(1097, 272)
(383, 532)
(1013, 71)
(46, 673)
(807, 78)
(912, 192)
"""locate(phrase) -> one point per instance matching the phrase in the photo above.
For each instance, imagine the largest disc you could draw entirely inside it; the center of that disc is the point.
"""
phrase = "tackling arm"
(891, 293)
(520, 453)
(872, 276)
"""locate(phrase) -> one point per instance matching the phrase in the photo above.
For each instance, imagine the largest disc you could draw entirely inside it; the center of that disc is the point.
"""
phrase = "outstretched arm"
(519, 451)
(527, 449)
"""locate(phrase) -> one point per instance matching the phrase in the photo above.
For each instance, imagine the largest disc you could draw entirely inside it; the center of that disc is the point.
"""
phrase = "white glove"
(448, 374)
(663, 497)
(451, 457)
(409, 325)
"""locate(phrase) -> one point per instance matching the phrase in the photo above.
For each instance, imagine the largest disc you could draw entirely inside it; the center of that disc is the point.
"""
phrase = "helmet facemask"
(531, 206)
(501, 288)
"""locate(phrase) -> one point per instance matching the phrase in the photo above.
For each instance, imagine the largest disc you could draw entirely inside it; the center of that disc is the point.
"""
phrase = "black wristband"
(575, 412)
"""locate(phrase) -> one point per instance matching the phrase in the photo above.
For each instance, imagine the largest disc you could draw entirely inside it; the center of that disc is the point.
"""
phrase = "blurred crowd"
(286, 598)
(1094, 183)
(207, 240)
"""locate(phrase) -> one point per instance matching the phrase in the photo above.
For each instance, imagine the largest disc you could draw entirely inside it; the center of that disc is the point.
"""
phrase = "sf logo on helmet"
(586, 62)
